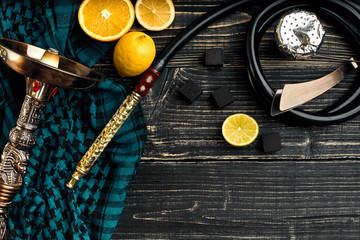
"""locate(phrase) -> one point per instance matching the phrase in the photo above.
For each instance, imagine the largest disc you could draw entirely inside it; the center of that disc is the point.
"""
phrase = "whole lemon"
(133, 54)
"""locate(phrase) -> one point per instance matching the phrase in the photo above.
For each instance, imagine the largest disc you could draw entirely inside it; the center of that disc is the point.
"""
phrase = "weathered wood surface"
(191, 184)
(243, 200)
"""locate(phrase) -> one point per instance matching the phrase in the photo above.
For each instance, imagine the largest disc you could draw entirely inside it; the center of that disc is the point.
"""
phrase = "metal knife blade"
(294, 95)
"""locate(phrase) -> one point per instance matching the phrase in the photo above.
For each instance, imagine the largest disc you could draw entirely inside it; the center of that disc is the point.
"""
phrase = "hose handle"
(147, 80)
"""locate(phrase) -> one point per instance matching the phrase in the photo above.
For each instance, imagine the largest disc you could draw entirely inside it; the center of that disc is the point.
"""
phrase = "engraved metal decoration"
(15, 156)
(299, 34)
(45, 71)
(105, 137)
(22, 137)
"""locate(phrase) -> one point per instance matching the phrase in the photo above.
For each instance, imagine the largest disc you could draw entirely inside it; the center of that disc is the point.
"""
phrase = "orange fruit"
(155, 15)
(240, 129)
(106, 20)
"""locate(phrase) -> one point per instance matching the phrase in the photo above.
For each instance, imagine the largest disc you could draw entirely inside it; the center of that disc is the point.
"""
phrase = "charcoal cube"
(214, 57)
(222, 97)
(190, 90)
(271, 142)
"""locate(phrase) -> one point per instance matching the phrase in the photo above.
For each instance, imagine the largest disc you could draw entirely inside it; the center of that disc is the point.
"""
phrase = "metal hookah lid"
(299, 34)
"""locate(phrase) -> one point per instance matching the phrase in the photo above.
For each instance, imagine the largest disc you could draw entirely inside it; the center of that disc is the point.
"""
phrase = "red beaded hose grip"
(147, 80)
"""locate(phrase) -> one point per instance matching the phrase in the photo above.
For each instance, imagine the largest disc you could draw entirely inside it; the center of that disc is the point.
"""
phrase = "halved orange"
(155, 15)
(106, 20)
(240, 129)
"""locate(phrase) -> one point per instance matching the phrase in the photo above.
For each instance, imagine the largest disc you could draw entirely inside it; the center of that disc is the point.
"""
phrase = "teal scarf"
(45, 208)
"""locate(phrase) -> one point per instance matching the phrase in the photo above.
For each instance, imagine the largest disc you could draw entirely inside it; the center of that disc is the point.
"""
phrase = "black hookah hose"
(346, 13)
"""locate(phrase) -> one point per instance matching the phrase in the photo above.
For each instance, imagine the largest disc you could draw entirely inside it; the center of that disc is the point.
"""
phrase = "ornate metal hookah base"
(45, 71)
(15, 156)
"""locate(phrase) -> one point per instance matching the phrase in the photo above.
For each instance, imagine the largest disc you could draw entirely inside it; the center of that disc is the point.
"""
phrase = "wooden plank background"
(191, 184)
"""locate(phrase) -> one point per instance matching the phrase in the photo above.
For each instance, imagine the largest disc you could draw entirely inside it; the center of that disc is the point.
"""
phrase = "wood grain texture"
(191, 184)
(243, 200)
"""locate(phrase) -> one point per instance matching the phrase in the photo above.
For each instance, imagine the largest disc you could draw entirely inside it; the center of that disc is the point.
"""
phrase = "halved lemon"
(240, 129)
(155, 15)
(106, 20)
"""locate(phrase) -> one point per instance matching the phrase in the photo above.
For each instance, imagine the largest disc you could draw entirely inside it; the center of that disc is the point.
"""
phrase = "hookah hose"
(345, 12)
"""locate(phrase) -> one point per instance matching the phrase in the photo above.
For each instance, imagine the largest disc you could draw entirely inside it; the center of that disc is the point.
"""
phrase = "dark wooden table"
(191, 184)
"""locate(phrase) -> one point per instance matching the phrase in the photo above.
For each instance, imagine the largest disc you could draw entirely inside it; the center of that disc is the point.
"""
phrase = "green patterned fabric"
(45, 208)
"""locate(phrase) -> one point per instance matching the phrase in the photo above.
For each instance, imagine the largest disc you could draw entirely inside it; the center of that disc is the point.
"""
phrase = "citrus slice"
(155, 15)
(106, 20)
(240, 129)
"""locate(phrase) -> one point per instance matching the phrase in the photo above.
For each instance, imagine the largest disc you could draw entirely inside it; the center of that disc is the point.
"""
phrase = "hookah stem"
(147, 80)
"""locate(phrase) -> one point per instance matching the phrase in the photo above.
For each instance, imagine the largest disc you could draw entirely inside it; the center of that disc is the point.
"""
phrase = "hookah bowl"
(45, 71)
